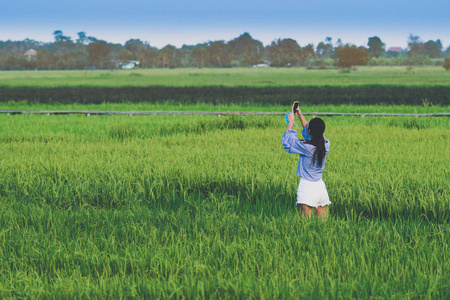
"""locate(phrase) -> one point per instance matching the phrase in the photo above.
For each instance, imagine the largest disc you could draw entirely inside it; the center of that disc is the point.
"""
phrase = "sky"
(178, 22)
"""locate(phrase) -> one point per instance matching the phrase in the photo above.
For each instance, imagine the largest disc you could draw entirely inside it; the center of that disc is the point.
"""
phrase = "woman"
(312, 193)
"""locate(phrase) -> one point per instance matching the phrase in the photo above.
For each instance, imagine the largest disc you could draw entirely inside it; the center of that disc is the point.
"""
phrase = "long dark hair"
(317, 127)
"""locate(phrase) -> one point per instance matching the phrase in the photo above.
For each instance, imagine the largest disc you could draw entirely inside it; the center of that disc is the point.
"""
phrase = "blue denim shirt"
(305, 168)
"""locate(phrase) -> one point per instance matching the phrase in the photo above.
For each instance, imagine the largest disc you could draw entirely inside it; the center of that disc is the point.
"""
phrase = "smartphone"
(295, 106)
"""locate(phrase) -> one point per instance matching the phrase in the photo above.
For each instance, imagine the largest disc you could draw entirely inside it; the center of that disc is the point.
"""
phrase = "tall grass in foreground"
(203, 207)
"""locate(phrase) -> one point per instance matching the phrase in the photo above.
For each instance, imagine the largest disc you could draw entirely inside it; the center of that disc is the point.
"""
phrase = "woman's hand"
(297, 112)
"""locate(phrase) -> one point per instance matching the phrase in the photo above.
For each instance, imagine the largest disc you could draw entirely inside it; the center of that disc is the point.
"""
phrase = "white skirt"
(312, 193)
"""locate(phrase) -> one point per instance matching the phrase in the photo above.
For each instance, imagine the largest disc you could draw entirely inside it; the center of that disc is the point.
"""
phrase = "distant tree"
(415, 45)
(350, 55)
(247, 50)
(112, 58)
(14, 60)
(81, 57)
(136, 47)
(2, 61)
(87, 51)
(168, 56)
(276, 53)
(433, 49)
(201, 55)
(63, 44)
(308, 54)
(447, 52)
(149, 57)
(292, 51)
(66, 61)
(97, 53)
(376, 47)
(285, 52)
(125, 55)
(60, 37)
(184, 57)
(391, 53)
(92, 39)
(220, 54)
(45, 60)
(325, 50)
(82, 38)
(189, 47)
(29, 43)
(447, 63)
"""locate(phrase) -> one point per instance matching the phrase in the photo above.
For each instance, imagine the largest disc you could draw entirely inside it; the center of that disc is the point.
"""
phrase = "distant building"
(395, 49)
(263, 65)
(30, 53)
(131, 64)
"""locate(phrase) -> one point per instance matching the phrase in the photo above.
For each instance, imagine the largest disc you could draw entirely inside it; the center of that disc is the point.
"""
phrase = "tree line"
(87, 52)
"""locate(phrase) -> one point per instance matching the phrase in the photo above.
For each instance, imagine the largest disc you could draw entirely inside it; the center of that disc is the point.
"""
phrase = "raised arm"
(292, 144)
(299, 114)
(289, 139)
(291, 120)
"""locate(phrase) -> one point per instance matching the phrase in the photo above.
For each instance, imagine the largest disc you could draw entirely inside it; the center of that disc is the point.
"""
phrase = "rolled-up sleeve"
(305, 134)
(292, 144)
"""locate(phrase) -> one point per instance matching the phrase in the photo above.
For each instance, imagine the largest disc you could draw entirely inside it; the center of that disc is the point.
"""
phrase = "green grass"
(236, 77)
(173, 106)
(203, 207)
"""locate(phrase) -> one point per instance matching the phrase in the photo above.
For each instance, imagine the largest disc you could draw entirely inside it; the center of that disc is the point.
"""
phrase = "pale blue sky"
(179, 22)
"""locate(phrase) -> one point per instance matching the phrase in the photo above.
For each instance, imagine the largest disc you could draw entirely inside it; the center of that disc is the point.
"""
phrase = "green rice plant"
(122, 131)
(312, 95)
(203, 207)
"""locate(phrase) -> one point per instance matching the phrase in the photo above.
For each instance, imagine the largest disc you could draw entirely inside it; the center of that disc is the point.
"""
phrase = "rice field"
(426, 76)
(176, 106)
(203, 207)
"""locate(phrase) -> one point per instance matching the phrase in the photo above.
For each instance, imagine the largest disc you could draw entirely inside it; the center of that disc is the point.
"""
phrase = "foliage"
(420, 59)
(325, 50)
(308, 54)
(246, 50)
(285, 52)
(350, 55)
(169, 57)
(447, 63)
(136, 47)
(97, 53)
(416, 47)
(433, 48)
(243, 51)
(220, 54)
(201, 55)
(376, 47)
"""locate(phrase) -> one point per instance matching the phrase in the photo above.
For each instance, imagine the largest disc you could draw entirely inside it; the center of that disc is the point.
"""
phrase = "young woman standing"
(312, 193)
